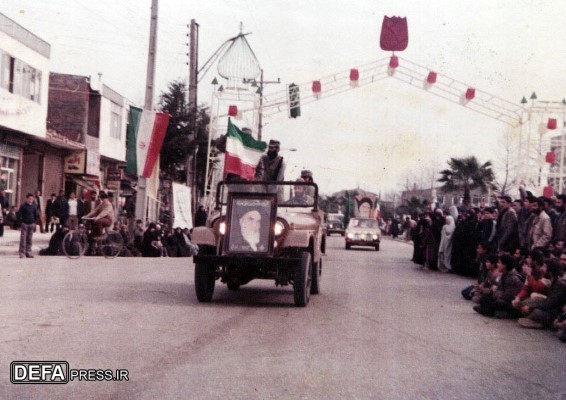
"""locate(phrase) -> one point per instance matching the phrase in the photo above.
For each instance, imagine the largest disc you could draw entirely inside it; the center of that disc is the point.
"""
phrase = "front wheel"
(205, 279)
(377, 247)
(112, 244)
(303, 280)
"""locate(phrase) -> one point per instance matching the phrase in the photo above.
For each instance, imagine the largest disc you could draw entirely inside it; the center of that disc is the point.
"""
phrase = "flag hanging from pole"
(147, 130)
(243, 152)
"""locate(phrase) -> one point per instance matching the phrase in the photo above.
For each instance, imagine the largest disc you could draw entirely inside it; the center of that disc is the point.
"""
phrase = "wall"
(68, 105)
(17, 112)
(111, 147)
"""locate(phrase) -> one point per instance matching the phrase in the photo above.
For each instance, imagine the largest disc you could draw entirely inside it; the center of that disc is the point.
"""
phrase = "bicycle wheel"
(112, 245)
(75, 244)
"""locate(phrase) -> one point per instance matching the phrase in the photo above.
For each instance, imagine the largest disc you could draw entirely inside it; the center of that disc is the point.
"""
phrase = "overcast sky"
(368, 137)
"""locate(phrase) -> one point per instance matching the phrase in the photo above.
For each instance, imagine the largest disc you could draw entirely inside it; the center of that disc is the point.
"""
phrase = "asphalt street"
(380, 329)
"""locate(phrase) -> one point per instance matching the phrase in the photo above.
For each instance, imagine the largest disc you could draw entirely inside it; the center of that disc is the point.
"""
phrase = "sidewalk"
(10, 242)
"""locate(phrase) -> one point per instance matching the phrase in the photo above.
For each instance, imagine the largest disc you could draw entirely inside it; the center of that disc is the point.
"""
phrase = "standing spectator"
(200, 216)
(541, 229)
(50, 213)
(39, 203)
(548, 205)
(75, 211)
(418, 255)
(27, 214)
(559, 228)
(507, 228)
(4, 208)
(151, 242)
(522, 215)
(445, 248)
(90, 202)
(427, 242)
(61, 209)
(487, 228)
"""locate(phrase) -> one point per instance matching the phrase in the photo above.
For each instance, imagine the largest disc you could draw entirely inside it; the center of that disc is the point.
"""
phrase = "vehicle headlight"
(350, 235)
(375, 236)
(279, 228)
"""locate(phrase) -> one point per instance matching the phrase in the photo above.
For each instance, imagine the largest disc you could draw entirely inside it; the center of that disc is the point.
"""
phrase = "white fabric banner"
(182, 215)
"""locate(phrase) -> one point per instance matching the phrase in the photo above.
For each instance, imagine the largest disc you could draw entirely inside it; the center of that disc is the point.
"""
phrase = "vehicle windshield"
(335, 217)
(362, 223)
(289, 194)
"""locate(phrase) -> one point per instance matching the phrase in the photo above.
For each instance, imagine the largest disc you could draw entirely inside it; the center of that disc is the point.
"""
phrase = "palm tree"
(467, 174)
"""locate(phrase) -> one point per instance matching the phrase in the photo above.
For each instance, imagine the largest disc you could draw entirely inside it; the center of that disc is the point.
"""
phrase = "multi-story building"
(95, 117)
(30, 157)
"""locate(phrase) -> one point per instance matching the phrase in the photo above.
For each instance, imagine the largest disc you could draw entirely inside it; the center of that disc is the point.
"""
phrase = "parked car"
(363, 232)
(261, 230)
(335, 224)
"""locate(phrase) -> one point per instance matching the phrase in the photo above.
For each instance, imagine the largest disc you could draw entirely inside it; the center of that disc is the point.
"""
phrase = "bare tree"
(507, 164)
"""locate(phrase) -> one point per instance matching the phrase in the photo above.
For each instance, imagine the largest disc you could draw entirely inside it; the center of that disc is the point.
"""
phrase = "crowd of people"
(63, 214)
(514, 248)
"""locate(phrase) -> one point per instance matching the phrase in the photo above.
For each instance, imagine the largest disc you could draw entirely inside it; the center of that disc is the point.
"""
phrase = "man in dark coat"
(50, 212)
(61, 208)
(27, 214)
(507, 228)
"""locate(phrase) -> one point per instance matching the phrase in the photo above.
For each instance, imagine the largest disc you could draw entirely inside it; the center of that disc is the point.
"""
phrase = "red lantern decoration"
(548, 191)
(354, 74)
(431, 78)
(551, 123)
(316, 87)
(394, 34)
(232, 110)
(550, 157)
(470, 93)
(394, 62)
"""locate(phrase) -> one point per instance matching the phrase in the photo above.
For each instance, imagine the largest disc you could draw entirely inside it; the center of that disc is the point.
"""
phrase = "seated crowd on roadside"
(515, 249)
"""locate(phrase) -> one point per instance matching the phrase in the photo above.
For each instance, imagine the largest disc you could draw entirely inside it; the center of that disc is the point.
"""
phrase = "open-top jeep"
(261, 230)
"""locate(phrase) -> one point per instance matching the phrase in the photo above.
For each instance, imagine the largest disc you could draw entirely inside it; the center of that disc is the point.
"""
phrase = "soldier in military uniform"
(271, 166)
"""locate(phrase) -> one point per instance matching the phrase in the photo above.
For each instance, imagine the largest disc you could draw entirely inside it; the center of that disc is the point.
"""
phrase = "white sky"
(370, 136)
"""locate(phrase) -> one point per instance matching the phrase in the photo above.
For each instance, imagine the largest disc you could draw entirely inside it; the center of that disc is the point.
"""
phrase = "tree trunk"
(467, 197)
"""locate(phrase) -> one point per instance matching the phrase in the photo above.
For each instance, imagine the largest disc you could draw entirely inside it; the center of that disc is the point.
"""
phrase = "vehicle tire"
(112, 245)
(233, 286)
(343, 234)
(74, 244)
(303, 280)
(327, 233)
(348, 246)
(377, 247)
(316, 273)
(204, 279)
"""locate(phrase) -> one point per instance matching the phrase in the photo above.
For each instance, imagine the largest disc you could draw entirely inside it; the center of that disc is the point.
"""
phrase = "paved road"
(380, 329)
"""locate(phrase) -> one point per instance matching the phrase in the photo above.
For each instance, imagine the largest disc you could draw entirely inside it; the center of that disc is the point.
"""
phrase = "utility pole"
(141, 196)
(260, 117)
(193, 108)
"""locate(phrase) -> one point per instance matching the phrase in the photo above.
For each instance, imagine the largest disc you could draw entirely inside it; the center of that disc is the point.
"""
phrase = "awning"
(88, 183)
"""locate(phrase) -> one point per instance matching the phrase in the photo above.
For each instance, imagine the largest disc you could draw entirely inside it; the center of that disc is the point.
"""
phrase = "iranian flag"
(242, 152)
(146, 131)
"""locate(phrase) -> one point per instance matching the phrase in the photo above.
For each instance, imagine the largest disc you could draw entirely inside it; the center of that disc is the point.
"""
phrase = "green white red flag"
(147, 129)
(243, 152)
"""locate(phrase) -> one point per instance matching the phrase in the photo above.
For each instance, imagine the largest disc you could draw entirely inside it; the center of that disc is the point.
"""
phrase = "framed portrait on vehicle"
(250, 219)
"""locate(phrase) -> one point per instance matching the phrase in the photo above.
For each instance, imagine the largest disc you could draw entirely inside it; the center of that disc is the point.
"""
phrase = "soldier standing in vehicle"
(271, 166)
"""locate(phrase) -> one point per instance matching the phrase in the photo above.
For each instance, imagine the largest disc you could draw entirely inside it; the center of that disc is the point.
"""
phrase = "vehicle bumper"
(362, 242)
(246, 260)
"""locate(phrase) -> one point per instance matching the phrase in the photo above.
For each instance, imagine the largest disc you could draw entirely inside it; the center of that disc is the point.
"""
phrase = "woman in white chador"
(445, 249)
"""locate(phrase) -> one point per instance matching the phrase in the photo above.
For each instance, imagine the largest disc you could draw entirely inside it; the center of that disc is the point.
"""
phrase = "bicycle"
(76, 243)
